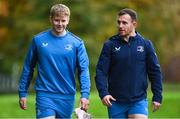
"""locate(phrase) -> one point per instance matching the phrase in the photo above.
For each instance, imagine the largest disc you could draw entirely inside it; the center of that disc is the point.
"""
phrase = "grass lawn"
(169, 109)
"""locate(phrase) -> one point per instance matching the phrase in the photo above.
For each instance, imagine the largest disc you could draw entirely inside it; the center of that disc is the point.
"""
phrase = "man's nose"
(120, 25)
(59, 23)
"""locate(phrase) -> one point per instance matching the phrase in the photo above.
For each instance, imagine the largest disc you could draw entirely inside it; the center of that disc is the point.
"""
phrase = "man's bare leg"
(137, 116)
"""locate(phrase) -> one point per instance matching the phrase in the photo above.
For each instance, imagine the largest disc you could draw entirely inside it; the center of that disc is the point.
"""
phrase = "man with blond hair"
(57, 53)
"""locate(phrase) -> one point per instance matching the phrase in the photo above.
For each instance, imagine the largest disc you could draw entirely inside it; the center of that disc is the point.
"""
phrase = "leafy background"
(94, 21)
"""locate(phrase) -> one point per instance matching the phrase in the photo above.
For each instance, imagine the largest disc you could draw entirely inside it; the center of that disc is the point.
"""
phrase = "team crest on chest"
(68, 46)
(140, 48)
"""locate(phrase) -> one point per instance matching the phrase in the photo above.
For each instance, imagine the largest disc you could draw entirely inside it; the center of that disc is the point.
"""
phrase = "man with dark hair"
(125, 62)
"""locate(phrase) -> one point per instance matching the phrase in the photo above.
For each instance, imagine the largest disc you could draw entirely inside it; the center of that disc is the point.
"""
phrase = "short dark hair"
(130, 12)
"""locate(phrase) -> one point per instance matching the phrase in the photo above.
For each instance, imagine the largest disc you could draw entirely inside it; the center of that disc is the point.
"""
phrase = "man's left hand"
(156, 105)
(84, 104)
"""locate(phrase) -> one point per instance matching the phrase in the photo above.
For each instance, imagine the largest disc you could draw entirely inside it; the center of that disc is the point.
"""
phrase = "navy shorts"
(60, 108)
(122, 110)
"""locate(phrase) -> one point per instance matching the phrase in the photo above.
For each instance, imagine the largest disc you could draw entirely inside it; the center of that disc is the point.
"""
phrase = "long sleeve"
(83, 70)
(154, 73)
(102, 69)
(28, 69)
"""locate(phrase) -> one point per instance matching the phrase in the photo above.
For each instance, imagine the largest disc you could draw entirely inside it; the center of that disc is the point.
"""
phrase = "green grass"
(170, 108)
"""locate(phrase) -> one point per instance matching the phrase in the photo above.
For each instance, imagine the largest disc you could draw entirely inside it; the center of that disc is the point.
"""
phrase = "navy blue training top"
(124, 67)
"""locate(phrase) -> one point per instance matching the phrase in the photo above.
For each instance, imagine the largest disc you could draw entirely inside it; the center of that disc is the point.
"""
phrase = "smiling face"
(126, 26)
(59, 18)
(59, 23)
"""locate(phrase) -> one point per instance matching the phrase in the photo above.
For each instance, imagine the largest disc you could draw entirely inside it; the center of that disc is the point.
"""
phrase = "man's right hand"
(22, 103)
(107, 100)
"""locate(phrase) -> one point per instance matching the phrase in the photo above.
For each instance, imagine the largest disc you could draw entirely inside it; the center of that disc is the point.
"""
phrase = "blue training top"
(57, 58)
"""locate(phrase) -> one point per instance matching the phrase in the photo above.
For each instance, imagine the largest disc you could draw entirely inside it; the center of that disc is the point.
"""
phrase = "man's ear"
(135, 23)
(68, 19)
(50, 19)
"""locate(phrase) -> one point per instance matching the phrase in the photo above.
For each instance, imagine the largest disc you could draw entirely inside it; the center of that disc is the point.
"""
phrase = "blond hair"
(59, 9)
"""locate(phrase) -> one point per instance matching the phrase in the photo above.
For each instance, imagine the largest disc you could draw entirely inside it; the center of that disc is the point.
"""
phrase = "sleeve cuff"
(22, 94)
(101, 95)
(85, 95)
(157, 99)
